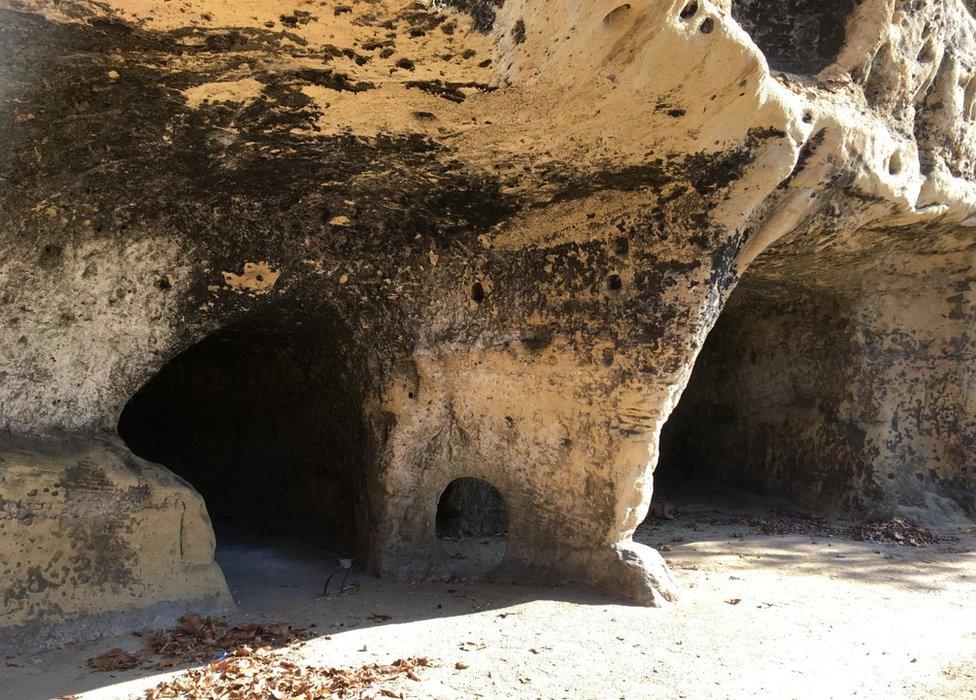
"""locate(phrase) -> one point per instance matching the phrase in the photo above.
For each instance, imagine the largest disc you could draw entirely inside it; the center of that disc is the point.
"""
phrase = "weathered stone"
(89, 531)
(507, 227)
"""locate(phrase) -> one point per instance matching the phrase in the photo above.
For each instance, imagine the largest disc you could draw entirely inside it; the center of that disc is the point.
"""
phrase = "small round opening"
(707, 26)
(894, 163)
(616, 13)
(689, 10)
(614, 283)
(472, 526)
(477, 293)
(927, 54)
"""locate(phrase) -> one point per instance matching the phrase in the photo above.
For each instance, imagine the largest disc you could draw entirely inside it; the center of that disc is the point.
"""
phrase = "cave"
(843, 394)
(274, 277)
(472, 526)
(263, 419)
(796, 36)
(763, 410)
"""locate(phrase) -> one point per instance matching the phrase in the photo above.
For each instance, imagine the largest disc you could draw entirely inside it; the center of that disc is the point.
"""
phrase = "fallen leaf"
(114, 660)
(263, 673)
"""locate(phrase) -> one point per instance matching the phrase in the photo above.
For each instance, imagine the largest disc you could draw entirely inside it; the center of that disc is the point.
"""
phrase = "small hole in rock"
(616, 13)
(894, 164)
(927, 54)
(807, 117)
(477, 293)
(689, 10)
(707, 26)
(614, 283)
(471, 525)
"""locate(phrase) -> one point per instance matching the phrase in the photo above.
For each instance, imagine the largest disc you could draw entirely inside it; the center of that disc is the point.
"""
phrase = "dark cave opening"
(796, 36)
(762, 412)
(472, 508)
(472, 526)
(264, 419)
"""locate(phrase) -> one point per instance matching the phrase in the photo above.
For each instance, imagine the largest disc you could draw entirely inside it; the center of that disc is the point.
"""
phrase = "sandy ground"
(816, 616)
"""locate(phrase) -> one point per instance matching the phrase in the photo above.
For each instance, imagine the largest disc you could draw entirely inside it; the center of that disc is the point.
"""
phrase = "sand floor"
(806, 615)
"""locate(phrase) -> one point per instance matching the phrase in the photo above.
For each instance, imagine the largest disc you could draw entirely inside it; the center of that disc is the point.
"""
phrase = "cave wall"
(796, 36)
(914, 392)
(96, 541)
(528, 215)
(846, 401)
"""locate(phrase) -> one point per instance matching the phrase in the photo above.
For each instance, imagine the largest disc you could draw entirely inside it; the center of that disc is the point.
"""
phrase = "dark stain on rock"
(328, 78)
(85, 477)
(518, 32)
(481, 11)
(448, 90)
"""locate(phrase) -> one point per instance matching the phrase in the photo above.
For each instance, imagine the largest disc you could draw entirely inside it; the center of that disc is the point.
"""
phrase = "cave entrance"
(472, 526)
(796, 36)
(762, 410)
(263, 418)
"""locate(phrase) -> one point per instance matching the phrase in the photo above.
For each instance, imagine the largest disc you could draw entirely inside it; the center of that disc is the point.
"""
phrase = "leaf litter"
(195, 640)
(243, 666)
(259, 674)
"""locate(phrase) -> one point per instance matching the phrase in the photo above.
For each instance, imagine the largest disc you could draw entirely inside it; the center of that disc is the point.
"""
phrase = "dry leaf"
(114, 660)
(261, 673)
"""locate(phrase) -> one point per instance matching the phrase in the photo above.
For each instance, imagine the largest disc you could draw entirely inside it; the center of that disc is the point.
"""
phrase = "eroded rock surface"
(514, 221)
(90, 531)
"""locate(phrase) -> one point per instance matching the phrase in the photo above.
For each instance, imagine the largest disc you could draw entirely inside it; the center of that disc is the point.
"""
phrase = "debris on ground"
(894, 530)
(263, 673)
(115, 660)
(778, 523)
(897, 530)
(662, 512)
(196, 640)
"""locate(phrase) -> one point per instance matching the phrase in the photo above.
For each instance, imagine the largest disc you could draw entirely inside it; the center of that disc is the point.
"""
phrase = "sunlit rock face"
(494, 235)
